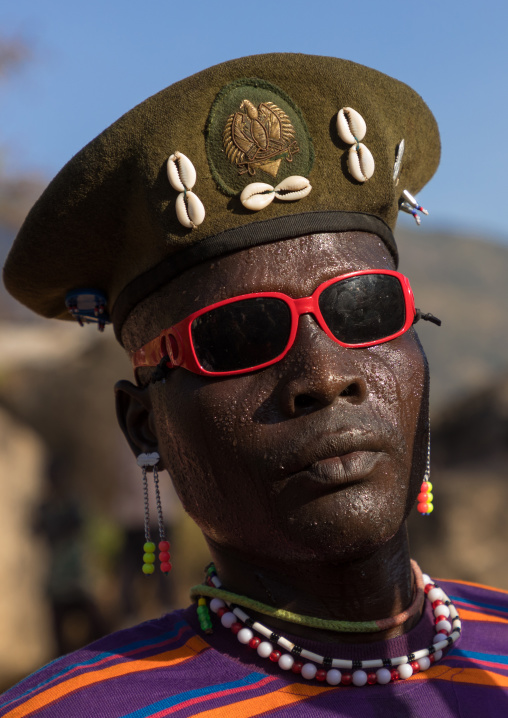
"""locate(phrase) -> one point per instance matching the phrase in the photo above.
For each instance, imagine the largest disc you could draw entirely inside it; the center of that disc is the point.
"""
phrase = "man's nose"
(320, 372)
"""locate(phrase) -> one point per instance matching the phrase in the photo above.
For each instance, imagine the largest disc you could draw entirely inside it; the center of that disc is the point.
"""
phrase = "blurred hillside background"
(70, 492)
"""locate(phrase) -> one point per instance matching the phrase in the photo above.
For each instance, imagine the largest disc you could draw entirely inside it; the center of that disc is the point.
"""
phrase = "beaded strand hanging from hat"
(146, 462)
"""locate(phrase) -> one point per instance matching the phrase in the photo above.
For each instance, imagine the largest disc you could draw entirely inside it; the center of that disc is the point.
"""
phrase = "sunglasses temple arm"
(426, 317)
(161, 370)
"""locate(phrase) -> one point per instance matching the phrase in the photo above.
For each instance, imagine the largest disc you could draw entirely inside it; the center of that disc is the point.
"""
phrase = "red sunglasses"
(253, 331)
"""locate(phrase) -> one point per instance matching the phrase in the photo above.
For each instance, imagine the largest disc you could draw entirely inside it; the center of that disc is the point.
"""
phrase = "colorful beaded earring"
(425, 497)
(150, 461)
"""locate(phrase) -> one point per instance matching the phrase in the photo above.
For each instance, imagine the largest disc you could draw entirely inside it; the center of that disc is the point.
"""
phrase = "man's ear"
(134, 413)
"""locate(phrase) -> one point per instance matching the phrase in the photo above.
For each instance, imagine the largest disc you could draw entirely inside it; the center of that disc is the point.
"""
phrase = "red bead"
(165, 567)
(164, 557)
(347, 679)
(274, 656)
(439, 618)
(423, 508)
(371, 678)
(415, 666)
(297, 667)
(237, 626)
(163, 545)
(423, 498)
(395, 674)
(321, 674)
(254, 642)
(221, 611)
(424, 488)
(429, 586)
(437, 603)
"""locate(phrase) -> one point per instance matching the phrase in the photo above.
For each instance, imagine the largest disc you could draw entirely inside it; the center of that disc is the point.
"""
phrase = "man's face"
(312, 458)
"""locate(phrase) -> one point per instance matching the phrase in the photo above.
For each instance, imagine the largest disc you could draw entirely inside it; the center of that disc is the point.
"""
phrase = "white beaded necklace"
(339, 670)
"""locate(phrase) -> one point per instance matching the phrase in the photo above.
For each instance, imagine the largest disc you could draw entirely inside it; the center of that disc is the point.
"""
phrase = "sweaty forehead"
(294, 266)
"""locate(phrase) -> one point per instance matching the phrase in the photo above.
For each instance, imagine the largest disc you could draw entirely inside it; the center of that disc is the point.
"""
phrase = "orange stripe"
(295, 693)
(468, 615)
(478, 661)
(475, 585)
(474, 676)
(193, 646)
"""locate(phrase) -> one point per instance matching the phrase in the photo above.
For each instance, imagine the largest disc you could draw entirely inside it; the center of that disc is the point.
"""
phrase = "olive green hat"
(254, 150)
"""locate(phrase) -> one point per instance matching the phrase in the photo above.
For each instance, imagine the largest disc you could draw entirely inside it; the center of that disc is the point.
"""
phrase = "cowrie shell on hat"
(189, 210)
(257, 195)
(350, 125)
(398, 161)
(293, 188)
(360, 162)
(181, 172)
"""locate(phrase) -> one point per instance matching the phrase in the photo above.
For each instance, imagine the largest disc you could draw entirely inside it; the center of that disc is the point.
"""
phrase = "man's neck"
(375, 587)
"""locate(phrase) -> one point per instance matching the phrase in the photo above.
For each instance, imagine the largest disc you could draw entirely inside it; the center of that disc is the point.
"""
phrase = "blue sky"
(93, 61)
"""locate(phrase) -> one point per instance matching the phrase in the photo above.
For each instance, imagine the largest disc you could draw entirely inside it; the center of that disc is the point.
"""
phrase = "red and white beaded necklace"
(337, 671)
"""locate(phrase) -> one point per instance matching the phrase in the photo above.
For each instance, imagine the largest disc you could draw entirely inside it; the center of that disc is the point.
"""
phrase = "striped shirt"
(169, 667)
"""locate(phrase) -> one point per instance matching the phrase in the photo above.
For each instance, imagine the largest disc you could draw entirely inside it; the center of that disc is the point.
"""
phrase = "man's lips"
(308, 449)
(338, 458)
(345, 469)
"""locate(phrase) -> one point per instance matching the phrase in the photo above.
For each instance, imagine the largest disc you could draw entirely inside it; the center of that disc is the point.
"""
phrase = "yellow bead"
(149, 547)
(431, 508)
(148, 568)
(202, 602)
(149, 558)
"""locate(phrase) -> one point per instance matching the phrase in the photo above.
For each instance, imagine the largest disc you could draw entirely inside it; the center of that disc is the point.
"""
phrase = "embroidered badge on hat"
(259, 137)
(255, 132)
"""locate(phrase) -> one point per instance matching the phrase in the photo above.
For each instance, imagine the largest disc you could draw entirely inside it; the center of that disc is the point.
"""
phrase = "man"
(237, 229)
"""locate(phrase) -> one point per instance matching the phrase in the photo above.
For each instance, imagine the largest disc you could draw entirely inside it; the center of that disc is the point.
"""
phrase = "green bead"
(149, 558)
(148, 568)
(149, 547)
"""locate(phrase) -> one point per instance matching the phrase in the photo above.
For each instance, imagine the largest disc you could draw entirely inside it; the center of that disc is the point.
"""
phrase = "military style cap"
(250, 151)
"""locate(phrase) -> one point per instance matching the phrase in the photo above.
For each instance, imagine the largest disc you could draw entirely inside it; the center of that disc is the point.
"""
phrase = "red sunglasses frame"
(176, 342)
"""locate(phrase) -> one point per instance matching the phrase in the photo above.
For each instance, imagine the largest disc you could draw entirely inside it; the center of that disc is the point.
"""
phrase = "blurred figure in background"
(76, 617)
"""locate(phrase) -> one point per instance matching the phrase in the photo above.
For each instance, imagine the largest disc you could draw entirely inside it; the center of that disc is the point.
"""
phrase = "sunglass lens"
(364, 308)
(241, 335)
